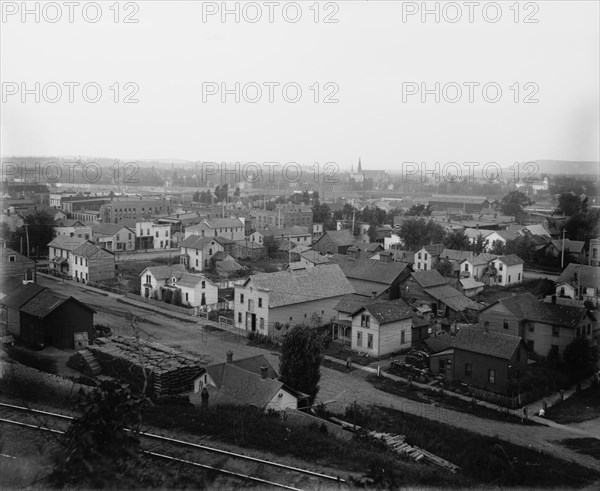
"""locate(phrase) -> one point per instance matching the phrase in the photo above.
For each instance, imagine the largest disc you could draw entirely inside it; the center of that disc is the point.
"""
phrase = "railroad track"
(236, 466)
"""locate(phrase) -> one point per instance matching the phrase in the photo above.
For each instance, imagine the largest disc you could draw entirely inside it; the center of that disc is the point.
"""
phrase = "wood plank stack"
(398, 444)
(165, 371)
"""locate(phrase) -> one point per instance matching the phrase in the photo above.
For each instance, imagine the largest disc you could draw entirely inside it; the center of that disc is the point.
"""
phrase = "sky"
(371, 67)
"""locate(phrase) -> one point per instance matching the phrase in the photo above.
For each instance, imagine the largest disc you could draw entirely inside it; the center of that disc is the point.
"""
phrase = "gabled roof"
(68, 222)
(496, 344)
(48, 301)
(587, 276)
(351, 303)
(291, 287)
(67, 243)
(429, 278)
(339, 237)
(452, 298)
(197, 241)
(224, 241)
(469, 283)
(371, 270)
(109, 229)
(21, 296)
(572, 246)
(473, 233)
(386, 312)
(510, 260)
(189, 280)
(527, 307)
(314, 257)
(219, 223)
(285, 232)
(90, 250)
(435, 249)
(164, 272)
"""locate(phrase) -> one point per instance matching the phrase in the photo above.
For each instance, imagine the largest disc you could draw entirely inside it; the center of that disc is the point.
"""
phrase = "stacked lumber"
(84, 361)
(162, 369)
(398, 444)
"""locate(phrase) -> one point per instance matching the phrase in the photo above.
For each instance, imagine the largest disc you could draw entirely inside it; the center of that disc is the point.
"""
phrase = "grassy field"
(586, 446)
(579, 407)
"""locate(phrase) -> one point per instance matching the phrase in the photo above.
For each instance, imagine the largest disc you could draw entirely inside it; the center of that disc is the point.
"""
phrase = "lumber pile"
(84, 361)
(163, 370)
(398, 444)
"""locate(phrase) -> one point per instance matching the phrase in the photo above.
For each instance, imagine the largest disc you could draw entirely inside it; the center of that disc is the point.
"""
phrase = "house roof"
(473, 233)
(21, 295)
(224, 241)
(67, 243)
(510, 260)
(314, 257)
(452, 298)
(339, 237)
(164, 272)
(46, 302)
(89, 249)
(291, 287)
(386, 312)
(438, 343)
(241, 381)
(351, 303)
(573, 246)
(458, 199)
(189, 280)
(220, 256)
(527, 307)
(228, 265)
(284, 232)
(435, 249)
(220, 223)
(490, 343)
(428, 278)
(68, 222)
(536, 229)
(197, 241)
(371, 270)
(587, 276)
(469, 283)
(108, 229)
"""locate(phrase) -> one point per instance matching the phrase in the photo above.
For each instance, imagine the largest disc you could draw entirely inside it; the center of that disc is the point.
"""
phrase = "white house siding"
(474, 271)
(194, 295)
(302, 312)
(282, 401)
(565, 290)
(250, 305)
(510, 275)
(543, 339)
(389, 241)
(386, 338)
(161, 235)
(422, 260)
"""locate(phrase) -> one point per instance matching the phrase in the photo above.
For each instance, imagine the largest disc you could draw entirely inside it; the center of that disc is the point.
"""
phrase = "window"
(492, 376)
(499, 278)
(359, 338)
(239, 317)
(148, 279)
(197, 265)
(425, 257)
(204, 284)
(466, 267)
(365, 320)
(519, 277)
(554, 351)
(441, 366)
(468, 370)
(262, 324)
(505, 324)
(555, 331)
(425, 266)
(260, 302)
(508, 278)
(370, 341)
(129, 236)
(530, 345)
(531, 327)
(187, 297)
(241, 298)
(402, 337)
(500, 266)
(12, 259)
(419, 255)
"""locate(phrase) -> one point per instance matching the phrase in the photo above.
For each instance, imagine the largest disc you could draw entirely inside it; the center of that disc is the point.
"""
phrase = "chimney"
(263, 371)
(229, 356)
(373, 293)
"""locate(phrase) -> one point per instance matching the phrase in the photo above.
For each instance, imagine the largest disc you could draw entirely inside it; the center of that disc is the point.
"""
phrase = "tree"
(513, 203)
(272, 245)
(569, 204)
(97, 450)
(480, 244)
(419, 210)
(457, 240)
(418, 232)
(497, 248)
(40, 227)
(300, 360)
(583, 226)
(237, 192)
(444, 267)
(579, 358)
(372, 233)
(196, 196)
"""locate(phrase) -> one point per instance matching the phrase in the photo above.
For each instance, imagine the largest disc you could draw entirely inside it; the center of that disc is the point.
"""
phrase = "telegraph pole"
(27, 237)
(562, 259)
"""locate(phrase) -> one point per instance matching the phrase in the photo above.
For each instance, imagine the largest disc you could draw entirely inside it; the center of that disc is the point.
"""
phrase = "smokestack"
(263, 371)
(229, 356)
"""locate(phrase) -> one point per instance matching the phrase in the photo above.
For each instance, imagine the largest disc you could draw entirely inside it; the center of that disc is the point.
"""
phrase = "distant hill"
(569, 167)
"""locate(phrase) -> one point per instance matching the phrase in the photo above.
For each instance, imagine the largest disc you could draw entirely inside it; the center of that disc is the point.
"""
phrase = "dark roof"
(370, 269)
(109, 229)
(340, 237)
(47, 301)
(435, 249)
(67, 243)
(164, 272)
(21, 296)
(197, 241)
(386, 312)
(573, 246)
(511, 260)
(452, 298)
(254, 363)
(224, 241)
(587, 276)
(428, 278)
(527, 307)
(351, 303)
(291, 287)
(438, 343)
(496, 344)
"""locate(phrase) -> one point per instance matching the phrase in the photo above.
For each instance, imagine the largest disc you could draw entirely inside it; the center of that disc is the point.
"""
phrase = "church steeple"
(359, 167)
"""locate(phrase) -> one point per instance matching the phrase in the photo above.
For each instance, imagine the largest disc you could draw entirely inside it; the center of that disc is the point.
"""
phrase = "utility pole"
(562, 258)
(353, 212)
(27, 236)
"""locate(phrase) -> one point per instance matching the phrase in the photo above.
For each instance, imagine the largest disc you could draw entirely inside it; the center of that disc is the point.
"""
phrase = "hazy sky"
(366, 56)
